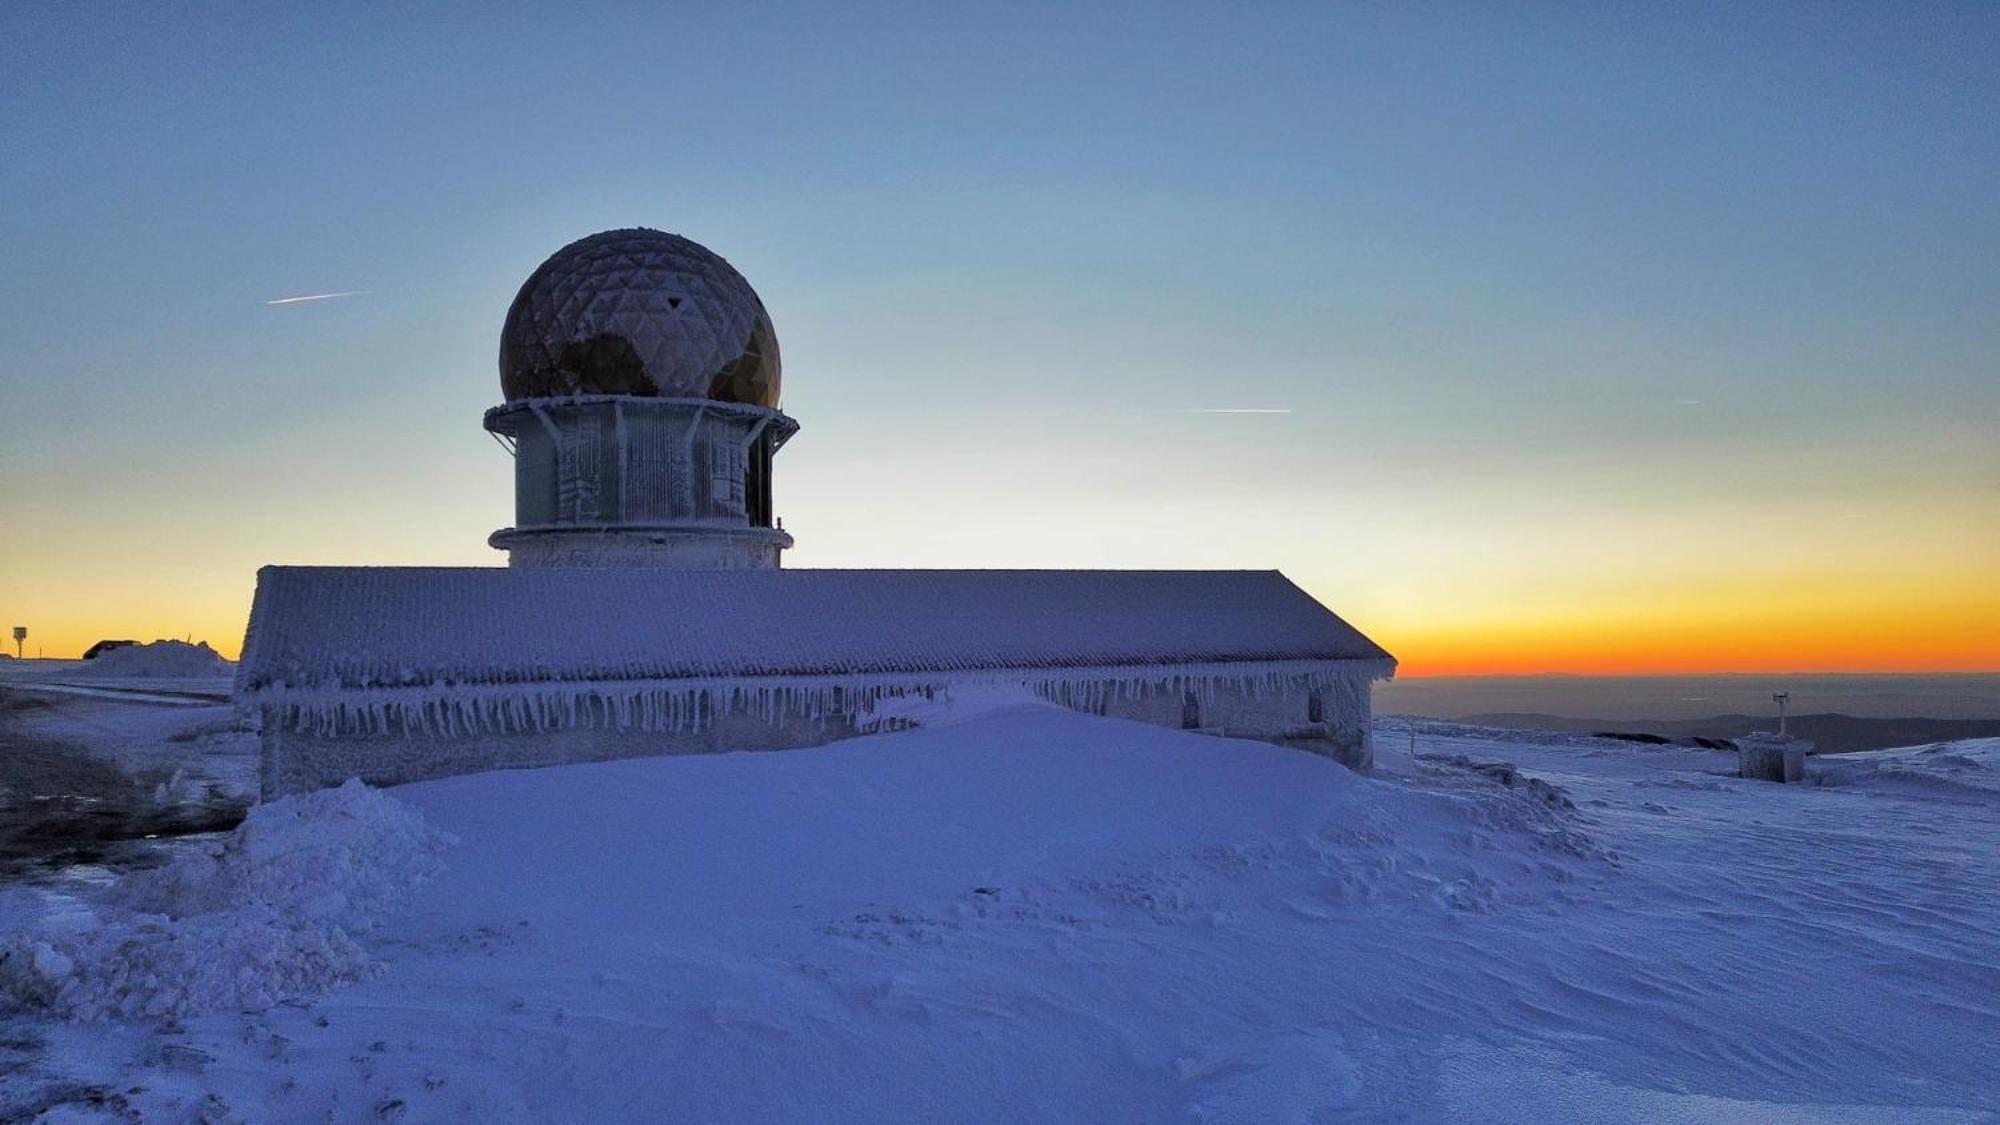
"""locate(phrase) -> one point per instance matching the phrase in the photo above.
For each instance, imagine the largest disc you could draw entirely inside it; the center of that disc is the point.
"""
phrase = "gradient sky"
(1635, 338)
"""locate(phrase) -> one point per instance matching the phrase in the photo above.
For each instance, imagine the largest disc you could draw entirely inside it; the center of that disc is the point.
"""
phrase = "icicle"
(438, 707)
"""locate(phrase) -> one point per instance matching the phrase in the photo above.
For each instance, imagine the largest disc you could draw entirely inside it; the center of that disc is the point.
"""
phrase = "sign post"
(20, 634)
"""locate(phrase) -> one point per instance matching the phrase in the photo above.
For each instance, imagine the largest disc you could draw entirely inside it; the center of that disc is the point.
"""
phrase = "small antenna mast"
(1781, 698)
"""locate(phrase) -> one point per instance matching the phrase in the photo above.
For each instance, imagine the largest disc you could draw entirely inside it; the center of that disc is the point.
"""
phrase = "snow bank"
(1970, 767)
(269, 915)
(1018, 912)
(341, 857)
(161, 658)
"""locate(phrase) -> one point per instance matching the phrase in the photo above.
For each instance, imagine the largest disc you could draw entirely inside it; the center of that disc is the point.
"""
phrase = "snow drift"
(270, 914)
(176, 659)
(1034, 914)
(1969, 768)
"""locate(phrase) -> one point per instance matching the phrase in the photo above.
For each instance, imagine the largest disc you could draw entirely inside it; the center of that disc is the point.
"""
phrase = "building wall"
(1277, 714)
(298, 760)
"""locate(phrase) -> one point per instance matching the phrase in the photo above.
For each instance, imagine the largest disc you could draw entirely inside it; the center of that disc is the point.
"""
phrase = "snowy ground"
(134, 741)
(85, 778)
(1036, 914)
(167, 672)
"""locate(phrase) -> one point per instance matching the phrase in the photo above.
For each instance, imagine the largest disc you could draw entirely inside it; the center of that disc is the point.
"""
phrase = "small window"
(1190, 712)
(1315, 708)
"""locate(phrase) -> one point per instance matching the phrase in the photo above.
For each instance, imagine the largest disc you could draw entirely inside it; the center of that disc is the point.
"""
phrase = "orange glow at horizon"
(1906, 631)
(1469, 580)
(1899, 634)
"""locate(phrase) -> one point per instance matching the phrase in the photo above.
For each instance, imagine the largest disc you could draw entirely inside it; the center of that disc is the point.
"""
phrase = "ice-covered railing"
(572, 632)
(681, 706)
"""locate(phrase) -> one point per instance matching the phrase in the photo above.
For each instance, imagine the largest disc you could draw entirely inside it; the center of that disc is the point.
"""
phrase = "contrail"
(315, 297)
(1190, 410)
(1187, 410)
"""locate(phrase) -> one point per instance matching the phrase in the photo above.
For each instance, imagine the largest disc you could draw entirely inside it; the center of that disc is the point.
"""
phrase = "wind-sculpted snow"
(1971, 767)
(269, 914)
(1034, 914)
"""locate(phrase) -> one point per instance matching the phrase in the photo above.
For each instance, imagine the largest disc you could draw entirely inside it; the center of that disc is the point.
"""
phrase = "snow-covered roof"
(343, 628)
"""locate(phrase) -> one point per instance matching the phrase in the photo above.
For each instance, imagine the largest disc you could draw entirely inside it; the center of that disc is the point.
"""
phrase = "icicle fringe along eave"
(358, 672)
(682, 705)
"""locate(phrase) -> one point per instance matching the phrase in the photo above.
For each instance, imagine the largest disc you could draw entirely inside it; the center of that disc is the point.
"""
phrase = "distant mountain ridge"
(1830, 732)
(1650, 699)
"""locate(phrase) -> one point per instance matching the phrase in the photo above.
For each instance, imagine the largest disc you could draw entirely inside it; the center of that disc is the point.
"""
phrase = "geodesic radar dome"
(639, 312)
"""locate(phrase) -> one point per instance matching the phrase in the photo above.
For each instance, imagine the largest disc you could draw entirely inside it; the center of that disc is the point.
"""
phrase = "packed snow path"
(1039, 915)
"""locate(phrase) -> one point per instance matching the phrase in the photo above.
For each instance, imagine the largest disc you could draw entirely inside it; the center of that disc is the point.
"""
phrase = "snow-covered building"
(644, 610)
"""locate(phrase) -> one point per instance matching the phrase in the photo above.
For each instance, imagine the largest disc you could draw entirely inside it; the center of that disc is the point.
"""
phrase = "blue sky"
(1573, 309)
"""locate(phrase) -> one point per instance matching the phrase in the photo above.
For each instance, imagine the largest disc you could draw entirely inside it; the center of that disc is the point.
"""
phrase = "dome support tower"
(642, 376)
(621, 480)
